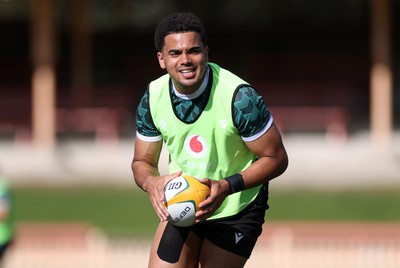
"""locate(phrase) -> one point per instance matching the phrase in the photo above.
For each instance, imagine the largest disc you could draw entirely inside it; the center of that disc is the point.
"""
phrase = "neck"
(196, 91)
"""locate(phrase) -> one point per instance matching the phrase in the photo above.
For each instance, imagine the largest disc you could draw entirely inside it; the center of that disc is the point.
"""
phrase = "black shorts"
(237, 234)
(3, 248)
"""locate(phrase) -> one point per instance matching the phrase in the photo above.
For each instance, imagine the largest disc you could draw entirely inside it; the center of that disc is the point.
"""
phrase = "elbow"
(283, 164)
(135, 167)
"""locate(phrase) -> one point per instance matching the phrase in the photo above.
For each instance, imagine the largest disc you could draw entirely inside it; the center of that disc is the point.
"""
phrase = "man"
(6, 220)
(216, 128)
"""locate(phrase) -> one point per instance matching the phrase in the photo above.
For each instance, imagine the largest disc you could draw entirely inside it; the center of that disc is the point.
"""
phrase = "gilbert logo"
(196, 146)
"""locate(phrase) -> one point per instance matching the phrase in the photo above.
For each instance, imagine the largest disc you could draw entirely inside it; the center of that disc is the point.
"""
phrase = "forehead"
(182, 40)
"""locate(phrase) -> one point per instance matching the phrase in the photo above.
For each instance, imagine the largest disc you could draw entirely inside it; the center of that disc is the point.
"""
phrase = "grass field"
(128, 211)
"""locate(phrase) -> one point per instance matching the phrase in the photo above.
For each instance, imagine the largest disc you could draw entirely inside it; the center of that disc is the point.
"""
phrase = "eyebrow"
(190, 50)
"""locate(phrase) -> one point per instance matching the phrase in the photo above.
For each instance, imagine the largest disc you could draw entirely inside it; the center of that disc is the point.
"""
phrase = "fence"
(283, 244)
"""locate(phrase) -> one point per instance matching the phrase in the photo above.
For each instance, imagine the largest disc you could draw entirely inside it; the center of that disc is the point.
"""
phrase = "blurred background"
(72, 73)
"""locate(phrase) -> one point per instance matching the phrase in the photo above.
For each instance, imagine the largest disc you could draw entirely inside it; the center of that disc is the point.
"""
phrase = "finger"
(161, 204)
(206, 181)
(178, 173)
(159, 207)
(206, 203)
(175, 175)
(161, 211)
(203, 215)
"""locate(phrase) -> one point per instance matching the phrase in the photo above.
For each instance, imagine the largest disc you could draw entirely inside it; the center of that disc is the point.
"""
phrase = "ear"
(161, 60)
(206, 53)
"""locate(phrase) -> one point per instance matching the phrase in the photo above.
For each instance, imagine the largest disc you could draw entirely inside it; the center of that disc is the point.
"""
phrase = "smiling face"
(184, 57)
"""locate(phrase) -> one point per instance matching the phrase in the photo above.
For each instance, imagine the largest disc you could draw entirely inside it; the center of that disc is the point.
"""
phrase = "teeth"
(187, 71)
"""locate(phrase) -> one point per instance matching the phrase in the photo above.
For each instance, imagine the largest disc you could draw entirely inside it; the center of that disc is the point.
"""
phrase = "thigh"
(174, 247)
(212, 256)
(237, 234)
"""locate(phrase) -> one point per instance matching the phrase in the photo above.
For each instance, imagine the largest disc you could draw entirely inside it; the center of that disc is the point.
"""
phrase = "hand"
(155, 189)
(219, 191)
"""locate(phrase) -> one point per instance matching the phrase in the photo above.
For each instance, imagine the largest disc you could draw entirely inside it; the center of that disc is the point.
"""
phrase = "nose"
(185, 58)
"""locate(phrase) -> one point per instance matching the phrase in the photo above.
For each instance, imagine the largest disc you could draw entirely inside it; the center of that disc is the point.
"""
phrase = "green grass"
(345, 205)
(116, 211)
(128, 211)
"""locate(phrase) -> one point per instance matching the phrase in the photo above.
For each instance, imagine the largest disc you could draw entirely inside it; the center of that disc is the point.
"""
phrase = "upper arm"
(257, 129)
(272, 157)
(147, 152)
(145, 160)
(250, 113)
(144, 121)
(269, 144)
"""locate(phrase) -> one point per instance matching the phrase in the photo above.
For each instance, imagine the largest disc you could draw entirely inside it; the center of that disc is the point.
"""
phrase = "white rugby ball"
(183, 196)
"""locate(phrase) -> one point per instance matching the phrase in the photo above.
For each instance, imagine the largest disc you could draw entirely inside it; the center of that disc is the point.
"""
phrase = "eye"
(194, 51)
(174, 53)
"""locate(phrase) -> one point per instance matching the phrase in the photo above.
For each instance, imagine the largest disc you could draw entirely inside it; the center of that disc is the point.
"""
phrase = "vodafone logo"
(195, 146)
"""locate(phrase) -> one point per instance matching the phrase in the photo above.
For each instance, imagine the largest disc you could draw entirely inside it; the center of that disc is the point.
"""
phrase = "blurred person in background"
(6, 222)
(217, 128)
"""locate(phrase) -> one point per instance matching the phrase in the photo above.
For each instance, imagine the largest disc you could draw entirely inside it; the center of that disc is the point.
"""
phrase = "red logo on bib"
(195, 146)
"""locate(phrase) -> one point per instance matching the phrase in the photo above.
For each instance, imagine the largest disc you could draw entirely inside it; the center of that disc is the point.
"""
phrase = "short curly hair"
(179, 23)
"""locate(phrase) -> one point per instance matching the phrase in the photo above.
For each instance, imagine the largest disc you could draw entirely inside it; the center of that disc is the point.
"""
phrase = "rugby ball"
(183, 196)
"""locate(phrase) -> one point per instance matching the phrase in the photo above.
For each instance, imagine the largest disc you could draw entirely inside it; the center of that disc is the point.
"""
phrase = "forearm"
(147, 177)
(272, 159)
(145, 161)
(142, 171)
(263, 170)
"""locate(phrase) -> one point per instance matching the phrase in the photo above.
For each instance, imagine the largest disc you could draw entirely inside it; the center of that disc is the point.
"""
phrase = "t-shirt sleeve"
(250, 113)
(145, 128)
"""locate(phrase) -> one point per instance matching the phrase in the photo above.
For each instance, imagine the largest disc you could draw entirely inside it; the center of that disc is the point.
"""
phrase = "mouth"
(188, 73)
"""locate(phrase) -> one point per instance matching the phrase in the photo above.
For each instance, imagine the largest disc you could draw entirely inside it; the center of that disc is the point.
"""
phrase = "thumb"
(206, 181)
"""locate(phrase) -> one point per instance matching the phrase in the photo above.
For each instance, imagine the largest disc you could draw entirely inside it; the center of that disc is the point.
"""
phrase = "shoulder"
(145, 127)
(159, 83)
(225, 77)
(247, 92)
(250, 113)
(226, 83)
